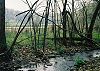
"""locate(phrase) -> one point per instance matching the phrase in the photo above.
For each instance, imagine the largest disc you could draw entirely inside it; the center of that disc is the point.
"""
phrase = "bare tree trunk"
(55, 20)
(64, 19)
(3, 46)
(90, 30)
(64, 22)
(46, 23)
(72, 28)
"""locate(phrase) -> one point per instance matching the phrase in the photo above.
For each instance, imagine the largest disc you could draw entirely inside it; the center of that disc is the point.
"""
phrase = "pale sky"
(20, 5)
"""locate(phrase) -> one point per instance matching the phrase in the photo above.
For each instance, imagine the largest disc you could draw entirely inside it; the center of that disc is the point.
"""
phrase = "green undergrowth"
(79, 61)
(25, 38)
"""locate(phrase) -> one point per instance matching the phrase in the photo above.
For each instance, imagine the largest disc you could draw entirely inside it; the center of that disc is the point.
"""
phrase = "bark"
(72, 28)
(46, 23)
(3, 46)
(64, 19)
(90, 30)
(64, 22)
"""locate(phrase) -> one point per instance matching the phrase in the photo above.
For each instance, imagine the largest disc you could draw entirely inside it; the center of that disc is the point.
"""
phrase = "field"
(27, 36)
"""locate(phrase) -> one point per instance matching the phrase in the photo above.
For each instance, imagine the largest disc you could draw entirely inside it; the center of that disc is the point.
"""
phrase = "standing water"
(65, 63)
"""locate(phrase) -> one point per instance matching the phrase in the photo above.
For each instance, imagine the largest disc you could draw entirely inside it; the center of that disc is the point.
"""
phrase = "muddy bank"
(91, 65)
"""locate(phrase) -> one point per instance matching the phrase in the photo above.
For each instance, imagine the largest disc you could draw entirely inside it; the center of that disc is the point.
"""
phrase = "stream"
(65, 63)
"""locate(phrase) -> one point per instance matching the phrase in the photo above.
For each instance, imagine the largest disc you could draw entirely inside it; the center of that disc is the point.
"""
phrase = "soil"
(92, 65)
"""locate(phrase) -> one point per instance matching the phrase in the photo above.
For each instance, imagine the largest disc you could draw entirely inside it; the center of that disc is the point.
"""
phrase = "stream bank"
(68, 62)
(25, 59)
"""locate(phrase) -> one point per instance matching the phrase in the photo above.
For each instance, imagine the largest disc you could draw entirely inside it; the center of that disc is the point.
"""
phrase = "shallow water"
(58, 64)
(67, 62)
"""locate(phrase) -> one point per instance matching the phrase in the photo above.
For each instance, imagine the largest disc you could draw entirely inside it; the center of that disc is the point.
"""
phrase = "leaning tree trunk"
(3, 46)
(90, 30)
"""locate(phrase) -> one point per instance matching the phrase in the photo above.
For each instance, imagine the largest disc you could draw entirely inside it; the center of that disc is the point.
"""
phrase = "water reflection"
(58, 64)
(65, 63)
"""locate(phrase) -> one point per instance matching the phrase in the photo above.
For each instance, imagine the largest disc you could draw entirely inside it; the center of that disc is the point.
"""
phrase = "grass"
(79, 61)
(96, 36)
(11, 35)
(25, 38)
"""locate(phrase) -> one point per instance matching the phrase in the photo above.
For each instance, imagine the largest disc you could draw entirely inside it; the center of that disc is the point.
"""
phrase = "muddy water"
(67, 62)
